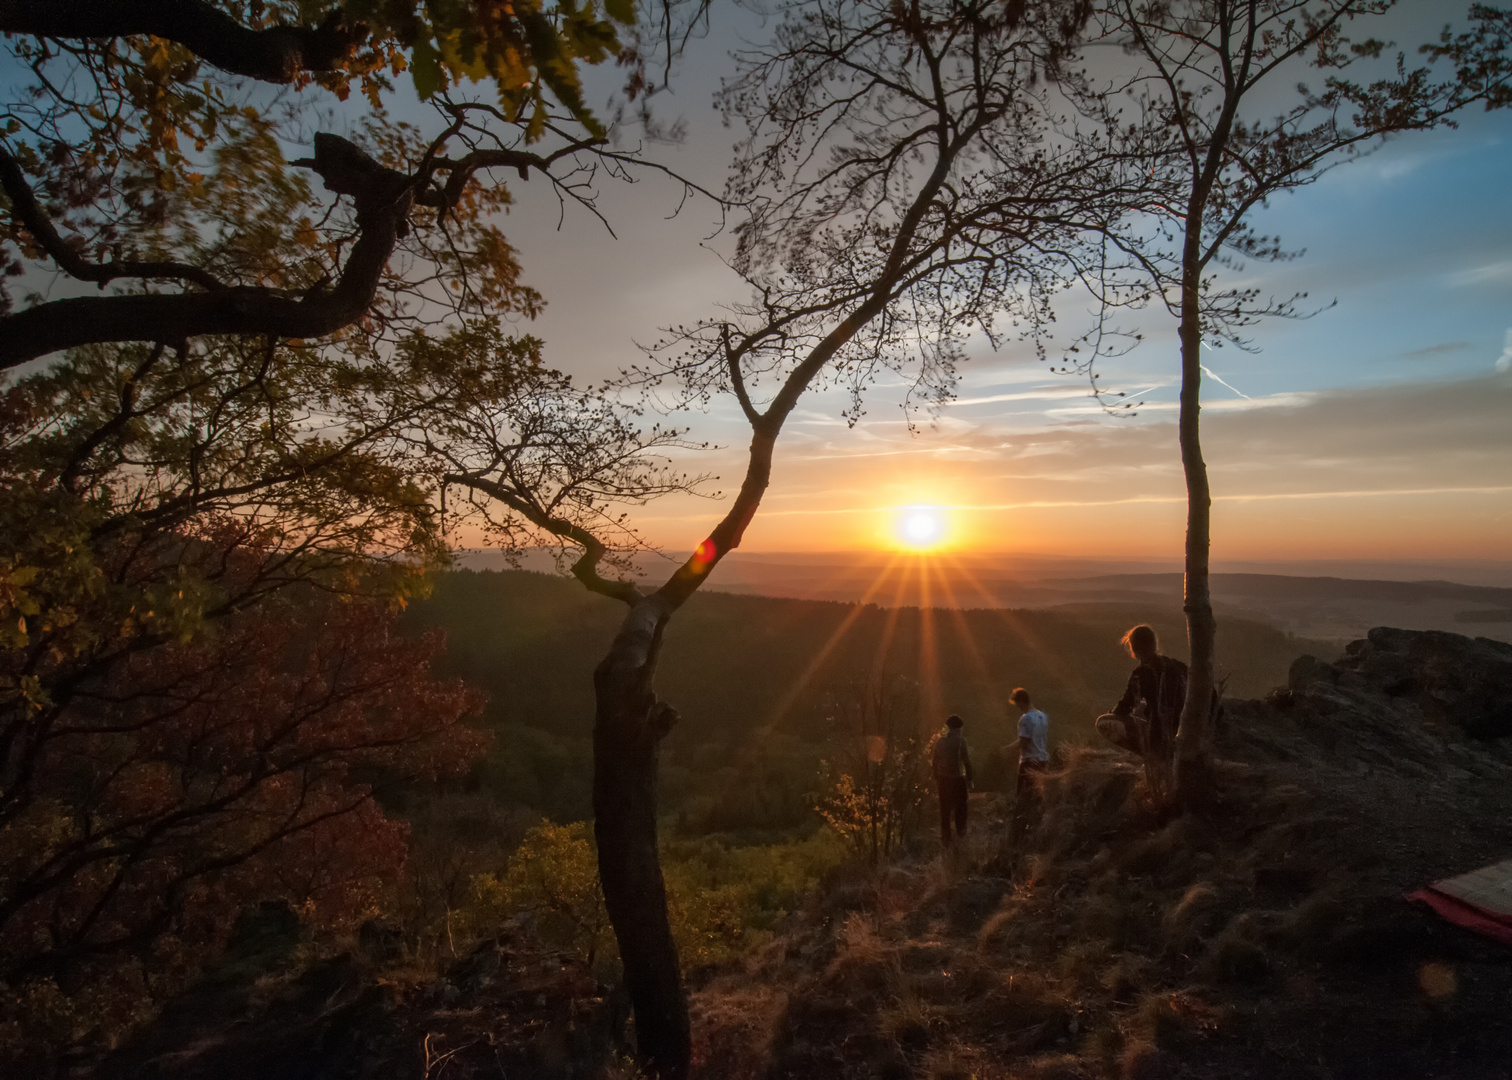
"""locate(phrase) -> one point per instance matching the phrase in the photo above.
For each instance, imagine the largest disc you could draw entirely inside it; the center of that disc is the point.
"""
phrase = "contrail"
(1213, 374)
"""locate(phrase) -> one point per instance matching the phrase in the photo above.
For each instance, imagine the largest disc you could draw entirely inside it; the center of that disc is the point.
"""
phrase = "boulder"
(1307, 672)
(1464, 681)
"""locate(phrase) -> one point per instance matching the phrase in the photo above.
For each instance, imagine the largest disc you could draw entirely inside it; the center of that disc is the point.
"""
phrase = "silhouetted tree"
(247, 385)
(1219, 106)
(904, 188)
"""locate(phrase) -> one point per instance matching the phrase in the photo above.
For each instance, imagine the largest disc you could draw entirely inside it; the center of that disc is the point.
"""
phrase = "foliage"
(723, 898)
(551, 877)
(148, 493)
(457, 831)
(205, 549)
(772, 878)
(271, 389)
(877, 780)
(143, 152)
(178, 784)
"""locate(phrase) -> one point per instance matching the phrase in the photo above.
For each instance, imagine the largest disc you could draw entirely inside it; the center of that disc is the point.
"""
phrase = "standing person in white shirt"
(1034, 757)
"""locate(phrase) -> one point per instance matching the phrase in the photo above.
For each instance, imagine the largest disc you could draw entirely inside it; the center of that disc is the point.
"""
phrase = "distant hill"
(755, 679)
(1326, 607)
(1331, 607)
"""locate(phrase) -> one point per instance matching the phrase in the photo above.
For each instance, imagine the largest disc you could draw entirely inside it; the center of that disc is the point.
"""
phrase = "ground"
(1265, 935)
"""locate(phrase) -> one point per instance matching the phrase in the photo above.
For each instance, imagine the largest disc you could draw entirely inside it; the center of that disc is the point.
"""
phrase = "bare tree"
(906, 187)
(1204, 104)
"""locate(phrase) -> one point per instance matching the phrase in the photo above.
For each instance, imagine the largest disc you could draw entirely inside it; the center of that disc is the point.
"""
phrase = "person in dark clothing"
(1146, 718)
(950, 761)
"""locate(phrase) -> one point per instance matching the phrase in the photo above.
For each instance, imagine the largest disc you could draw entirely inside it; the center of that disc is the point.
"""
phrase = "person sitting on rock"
(1159, 684)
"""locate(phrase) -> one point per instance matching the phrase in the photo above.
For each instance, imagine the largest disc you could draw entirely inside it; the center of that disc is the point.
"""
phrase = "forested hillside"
(756, 679)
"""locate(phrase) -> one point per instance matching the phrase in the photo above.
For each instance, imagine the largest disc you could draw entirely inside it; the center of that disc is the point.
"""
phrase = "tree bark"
(1192, 755)
(628, 728)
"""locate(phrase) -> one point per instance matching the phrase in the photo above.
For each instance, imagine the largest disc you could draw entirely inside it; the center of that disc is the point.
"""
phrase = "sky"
(1376, 433)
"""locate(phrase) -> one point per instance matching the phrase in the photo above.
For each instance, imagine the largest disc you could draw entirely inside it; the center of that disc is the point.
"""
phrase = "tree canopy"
(233, 407)
(143, 154)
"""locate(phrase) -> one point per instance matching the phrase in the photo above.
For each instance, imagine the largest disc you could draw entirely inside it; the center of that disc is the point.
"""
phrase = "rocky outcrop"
(1460, 681)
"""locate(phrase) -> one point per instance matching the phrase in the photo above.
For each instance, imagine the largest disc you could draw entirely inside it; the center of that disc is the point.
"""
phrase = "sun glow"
(921, 528)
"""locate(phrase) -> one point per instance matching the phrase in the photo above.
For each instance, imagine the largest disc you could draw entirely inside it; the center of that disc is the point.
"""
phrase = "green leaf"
(425, 69)
(621, 11)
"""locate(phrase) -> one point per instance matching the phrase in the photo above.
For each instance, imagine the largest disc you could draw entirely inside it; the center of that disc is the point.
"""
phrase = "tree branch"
(383, 197)
(277, 54)
(462, 170)
(25, 209)
(594, 549)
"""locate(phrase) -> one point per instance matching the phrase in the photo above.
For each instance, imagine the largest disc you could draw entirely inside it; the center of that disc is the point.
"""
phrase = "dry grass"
(1122, 942)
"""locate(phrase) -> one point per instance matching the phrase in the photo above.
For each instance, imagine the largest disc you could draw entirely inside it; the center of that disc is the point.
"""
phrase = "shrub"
(722, 899)
(873, 783)
(553, 878)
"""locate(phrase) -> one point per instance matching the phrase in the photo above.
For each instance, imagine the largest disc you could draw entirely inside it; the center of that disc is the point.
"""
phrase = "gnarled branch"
(277, 54)
(26, 210)
(383, 197)
(594, 549)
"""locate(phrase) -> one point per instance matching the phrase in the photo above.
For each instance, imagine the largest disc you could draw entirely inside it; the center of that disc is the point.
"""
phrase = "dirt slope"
(1265, 937)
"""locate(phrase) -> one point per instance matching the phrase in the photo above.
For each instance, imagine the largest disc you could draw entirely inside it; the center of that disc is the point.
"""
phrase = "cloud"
(1495, 272)
(1421, 468)
(1396, 441)
(1436, 350)
(1046, 393)
(1504, 361)
(1239, 404)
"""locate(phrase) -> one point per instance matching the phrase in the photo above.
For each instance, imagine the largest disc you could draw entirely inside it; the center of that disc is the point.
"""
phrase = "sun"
(921, 528)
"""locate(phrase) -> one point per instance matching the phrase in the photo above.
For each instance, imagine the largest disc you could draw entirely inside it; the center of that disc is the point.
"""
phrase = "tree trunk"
(629, 725)
(1193, 742)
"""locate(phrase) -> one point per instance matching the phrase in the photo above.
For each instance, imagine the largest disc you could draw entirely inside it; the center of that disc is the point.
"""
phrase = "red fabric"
(1491, 924)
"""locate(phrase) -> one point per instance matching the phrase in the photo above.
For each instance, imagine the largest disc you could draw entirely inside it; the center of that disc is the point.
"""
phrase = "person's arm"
(966, 761)
(1131, 696)
(1026, 746)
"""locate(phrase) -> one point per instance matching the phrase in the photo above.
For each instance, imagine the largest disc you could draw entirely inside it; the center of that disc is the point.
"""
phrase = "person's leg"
(1026, 797)
(942, 784)
(1020, 801)
(960, 807)
(1121, 731)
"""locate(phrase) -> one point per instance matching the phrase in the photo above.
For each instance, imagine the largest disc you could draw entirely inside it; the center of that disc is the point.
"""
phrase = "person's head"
(954, 722)
(1142, 643)
(1020, 697)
